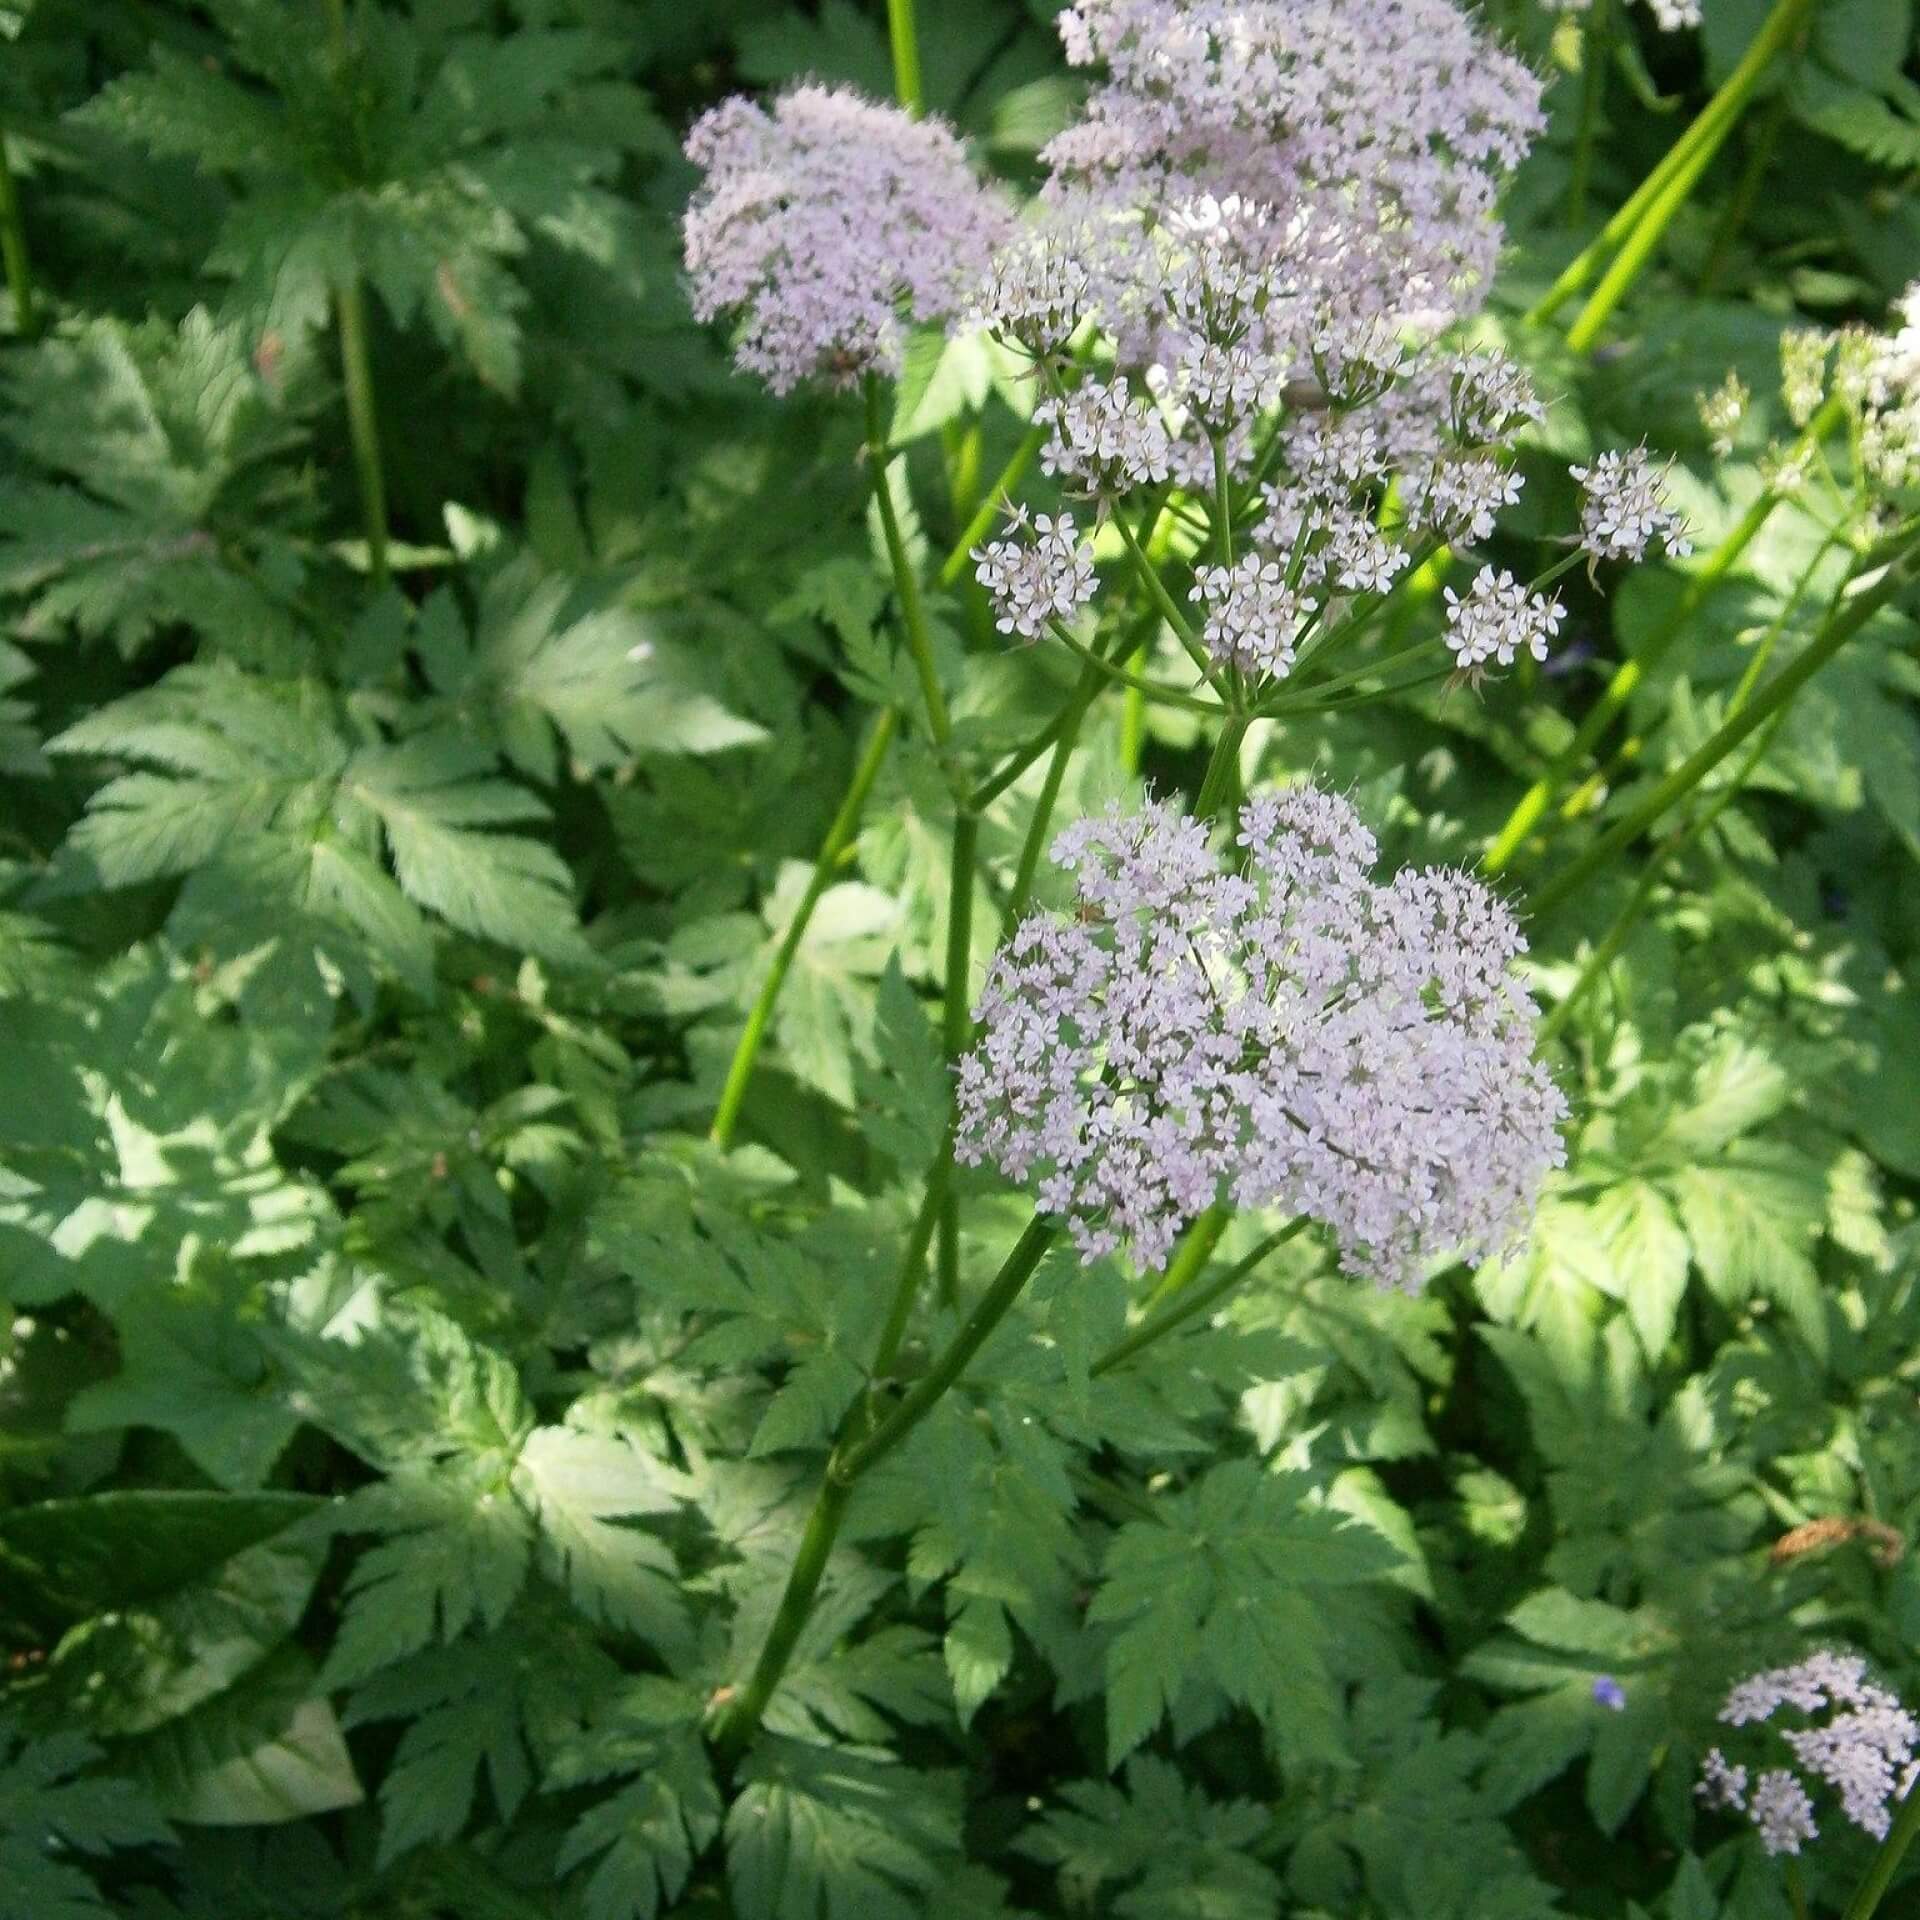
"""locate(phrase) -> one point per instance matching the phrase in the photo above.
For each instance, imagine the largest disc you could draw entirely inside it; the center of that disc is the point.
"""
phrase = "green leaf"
(52, 1804)
(577, 1485)
(645, 1837)
(823, 1834)
(1177, 1853)
(264, 1751)
(550, 662)
(1223, 1590)
(68, 1559)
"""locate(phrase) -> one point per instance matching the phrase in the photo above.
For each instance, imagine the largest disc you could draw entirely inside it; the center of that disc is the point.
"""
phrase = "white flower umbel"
(1625, 508)
(1855, 1738)
(1035, 582)
(1497, 620)
(1298, 1036)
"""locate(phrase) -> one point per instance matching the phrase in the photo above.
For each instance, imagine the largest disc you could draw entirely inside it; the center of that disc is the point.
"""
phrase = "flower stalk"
(867, 1440)
(1849, 617)
(1531, 808)
(363, 421)
(13, 245)
(1886, 1862)
(1710, 128)
(839, 837)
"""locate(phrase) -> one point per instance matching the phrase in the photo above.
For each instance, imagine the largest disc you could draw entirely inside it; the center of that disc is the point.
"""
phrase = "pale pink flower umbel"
(820, 221)
(1857, 1739)
(1300, 1036)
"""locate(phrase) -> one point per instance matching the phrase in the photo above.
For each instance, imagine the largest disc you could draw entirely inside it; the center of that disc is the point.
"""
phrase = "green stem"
(1852, 614)
(1222, 501)
(1617, 935)
(1191, 1301)
(363, 423)
(1193, 1253)
(1533, 804)
(913, 1262)
(957, 1016)
(1714, 121)
(1638, 250)
(1016, 1270)
(850, 1459)
(976, 529)
(1595, 45)
(13, 245)
(1759, 157)
(1886, 1862)
(839, 837)
(908, 88)
(1133, 729)
(913, 611)
(744, 1713)
(1223, 770)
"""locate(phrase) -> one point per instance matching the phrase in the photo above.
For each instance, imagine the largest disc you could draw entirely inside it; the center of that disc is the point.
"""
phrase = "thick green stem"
(1840, 627)
(1194, 1251)
(862, 1447)
(1711, 126)
(1886, 1863)
(1596, 43)
(1632, 258)
(957, 1016)
(13, 245)
(904, 34)
(1222, 779)
(1616, 936)
(1759, 158)
(913, 610)
(363, 422)
(1189, 1301)
(839, 837)
(1016, 1270)
(1222, 502)
(745, 1711)
(1533, 804)
(913, 1261)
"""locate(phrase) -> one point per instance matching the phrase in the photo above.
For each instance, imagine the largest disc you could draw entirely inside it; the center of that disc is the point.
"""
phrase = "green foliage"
(409, 1420)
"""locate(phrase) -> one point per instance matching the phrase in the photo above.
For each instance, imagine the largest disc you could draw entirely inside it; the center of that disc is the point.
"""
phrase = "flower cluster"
(1103, 440)
(1253, 616)
(820, 221)
(1297, 1035)
(1035, 582)
(1497, 620)
(1625, 507)
(1857, 1739)
(1375, 193)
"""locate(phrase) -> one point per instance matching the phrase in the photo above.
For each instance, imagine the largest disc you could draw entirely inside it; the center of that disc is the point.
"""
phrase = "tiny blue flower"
(1609, 1693)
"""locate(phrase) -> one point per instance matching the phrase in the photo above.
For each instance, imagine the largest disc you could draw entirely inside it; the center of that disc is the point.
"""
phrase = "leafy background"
(408, 1417)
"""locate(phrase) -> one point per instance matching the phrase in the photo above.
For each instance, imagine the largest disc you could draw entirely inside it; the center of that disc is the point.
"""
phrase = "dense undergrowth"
(445, 705)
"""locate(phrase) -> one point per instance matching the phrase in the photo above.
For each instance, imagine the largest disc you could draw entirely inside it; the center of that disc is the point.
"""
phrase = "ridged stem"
(1886, 1862)
(840, 834)
(1596, 43)
(1848, 618)
(363, 421)
(904, 35)
(1533, 804)
(1222, 777)
(1711, 126)
(13, 245)
(1189, 1301)
(913, 609)
(857, 1453)
(956, 1020)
